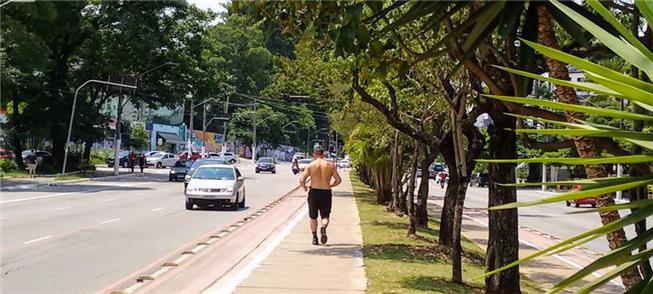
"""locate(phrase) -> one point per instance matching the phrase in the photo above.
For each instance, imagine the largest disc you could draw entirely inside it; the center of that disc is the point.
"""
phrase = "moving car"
(266, 164)
(344, 163)
(229, 157)
(582, 201)
(303, 163)
(216, 184)
(162, 159)
(299, 155)
(179, 170)
(122, 159)
(183, 155)
(480, 180)
(197, 163)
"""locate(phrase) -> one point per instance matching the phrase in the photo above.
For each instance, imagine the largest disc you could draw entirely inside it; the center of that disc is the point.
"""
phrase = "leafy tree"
(138, 137)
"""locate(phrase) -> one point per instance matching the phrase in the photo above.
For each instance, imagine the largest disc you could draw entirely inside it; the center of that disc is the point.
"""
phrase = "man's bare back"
(320, 171)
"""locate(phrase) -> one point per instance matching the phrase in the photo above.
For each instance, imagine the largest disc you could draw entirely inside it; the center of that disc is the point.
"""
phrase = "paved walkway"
(297, 266)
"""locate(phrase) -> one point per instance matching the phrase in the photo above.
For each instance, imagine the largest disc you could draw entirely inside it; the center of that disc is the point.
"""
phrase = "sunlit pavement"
(81, 237)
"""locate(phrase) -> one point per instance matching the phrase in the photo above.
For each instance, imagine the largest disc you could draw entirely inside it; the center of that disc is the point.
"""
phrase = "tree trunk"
(17, 134)
(423, 192)
(88, 144)
(410, 192)
(456, 252)
(503, 240)
(448, 208)
(584, 146)
(396, 175)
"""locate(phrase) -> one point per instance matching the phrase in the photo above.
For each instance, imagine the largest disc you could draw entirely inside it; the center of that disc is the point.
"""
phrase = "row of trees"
(429, 69)
(49, 48)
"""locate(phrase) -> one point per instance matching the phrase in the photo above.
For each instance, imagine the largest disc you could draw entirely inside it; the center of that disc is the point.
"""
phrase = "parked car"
(480, 180)
(229, 157)
(6, 154)
(266, 164)
(197, 163)
(582, 201)
(122, 159)
(40, 155)
(213, 155)
(344, 163)
(160, 160)
(150, 153)
(183, 155)
(303, 163)
(216, 184)
(299, 155)
(179, 170)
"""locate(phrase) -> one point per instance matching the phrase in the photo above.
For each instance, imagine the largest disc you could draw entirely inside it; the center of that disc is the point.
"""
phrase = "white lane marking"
(38, 239)
(61, 208)
(110, 220)
(230, 286)
(64, 194)
(107, 200)
(158, 208)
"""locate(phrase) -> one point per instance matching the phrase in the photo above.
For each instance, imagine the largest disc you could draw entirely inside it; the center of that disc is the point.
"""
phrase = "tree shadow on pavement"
(437, 285)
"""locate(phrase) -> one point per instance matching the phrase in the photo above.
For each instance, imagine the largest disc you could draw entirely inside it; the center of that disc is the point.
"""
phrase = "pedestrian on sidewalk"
(319, 196)
(141, 161)
(132, 160)
(443, 178)
(32, 163)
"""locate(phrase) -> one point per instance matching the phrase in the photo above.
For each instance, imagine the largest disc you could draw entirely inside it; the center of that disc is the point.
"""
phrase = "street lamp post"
(72, 115)
(190, 135)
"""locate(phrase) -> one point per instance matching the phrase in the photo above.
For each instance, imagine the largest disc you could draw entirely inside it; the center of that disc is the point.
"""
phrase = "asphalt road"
(80, 238)
(554, 219)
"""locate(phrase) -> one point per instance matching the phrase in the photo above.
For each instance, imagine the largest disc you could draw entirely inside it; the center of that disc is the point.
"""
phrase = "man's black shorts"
(319, 199)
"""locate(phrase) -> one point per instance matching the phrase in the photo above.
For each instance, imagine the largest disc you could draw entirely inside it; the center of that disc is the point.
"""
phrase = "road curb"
(186, 255)
(57, 183)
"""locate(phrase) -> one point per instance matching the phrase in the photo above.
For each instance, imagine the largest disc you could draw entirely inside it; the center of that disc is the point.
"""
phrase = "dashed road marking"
(107, 200)
(110, 220)
(61, 208)
(37, 239)
(158, 208)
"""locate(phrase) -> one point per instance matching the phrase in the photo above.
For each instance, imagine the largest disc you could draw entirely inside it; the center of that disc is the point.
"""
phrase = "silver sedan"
(216, 185)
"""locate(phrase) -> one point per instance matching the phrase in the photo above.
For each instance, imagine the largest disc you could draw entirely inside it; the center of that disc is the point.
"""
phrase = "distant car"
(197, 163)
(6, 154)
(303, 163)
(344, 163)
(40, 155)
(122, 159)
(480, 180)
(299, 155)
(229, 157)
(216, 184)
(183, 155)
(160, 160)
(179, 170)
(213, 155)
(582, 201)
(150, 153)
(266, 164)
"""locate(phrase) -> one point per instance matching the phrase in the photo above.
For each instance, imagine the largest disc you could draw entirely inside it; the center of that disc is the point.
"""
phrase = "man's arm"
(304, 177)
(337, 177)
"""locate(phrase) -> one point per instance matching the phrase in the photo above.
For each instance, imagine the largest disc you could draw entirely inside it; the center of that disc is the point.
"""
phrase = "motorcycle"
(295, 170)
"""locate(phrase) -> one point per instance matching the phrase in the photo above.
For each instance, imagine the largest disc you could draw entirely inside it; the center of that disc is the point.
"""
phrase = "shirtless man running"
(319, 196)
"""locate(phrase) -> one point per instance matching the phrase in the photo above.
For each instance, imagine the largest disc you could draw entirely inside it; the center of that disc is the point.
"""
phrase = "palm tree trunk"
(584, 146)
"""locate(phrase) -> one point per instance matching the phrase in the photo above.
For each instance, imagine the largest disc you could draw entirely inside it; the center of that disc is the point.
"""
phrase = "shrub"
(7, 165)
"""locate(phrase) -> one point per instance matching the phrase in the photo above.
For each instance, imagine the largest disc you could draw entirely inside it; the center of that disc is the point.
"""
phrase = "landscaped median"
(398, 264)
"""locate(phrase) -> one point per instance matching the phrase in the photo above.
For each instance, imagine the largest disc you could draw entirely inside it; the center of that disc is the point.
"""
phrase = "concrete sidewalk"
(297, 266)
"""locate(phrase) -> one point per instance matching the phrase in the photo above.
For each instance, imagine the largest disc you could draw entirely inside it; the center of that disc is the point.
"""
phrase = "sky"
(215, 5)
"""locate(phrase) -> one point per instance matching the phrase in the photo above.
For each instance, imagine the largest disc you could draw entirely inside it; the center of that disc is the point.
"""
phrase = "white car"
(162, 159)
(303, 163)
(150, 153)
(228, 156)
(216, 184)
(214, 155)
(344, 163)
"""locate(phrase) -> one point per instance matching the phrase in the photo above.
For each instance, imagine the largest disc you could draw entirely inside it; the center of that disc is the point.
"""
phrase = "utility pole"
(116, 139)
(224, 126)
(190, 132)
(254, 136)
(203, 131)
